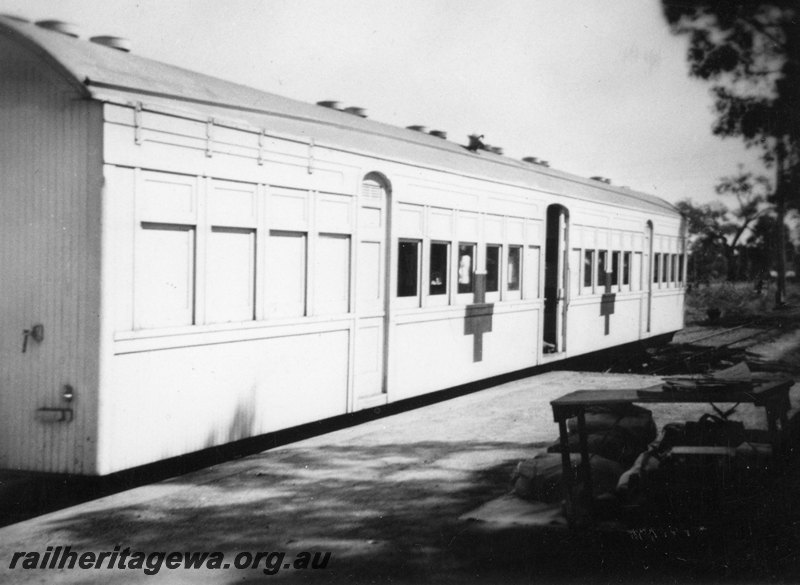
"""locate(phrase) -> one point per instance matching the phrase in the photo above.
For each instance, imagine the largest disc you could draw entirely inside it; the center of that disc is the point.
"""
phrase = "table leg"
(586, 467)
(566, 472)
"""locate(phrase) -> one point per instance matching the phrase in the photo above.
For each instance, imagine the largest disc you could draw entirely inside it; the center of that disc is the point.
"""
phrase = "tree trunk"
(780, 208)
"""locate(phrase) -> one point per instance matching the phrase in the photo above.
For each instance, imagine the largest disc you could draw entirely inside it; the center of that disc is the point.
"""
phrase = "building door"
(371, 293)
(555, 280)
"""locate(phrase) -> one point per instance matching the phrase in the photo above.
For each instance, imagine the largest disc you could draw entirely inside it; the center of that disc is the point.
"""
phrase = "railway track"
(689, 357)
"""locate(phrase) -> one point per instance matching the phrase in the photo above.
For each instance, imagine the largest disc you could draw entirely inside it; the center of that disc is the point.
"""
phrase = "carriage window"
(626, 268)
(492, 268)
(614, 268)
(285, 293)
(466, 267)
(514, 262)
(656, 267)
(601, 268)
(332, 272)
(230, 275)
(674, 268)
(165, 278)
(440, 255)
(680, 268)
(407, 268)
(588, 267)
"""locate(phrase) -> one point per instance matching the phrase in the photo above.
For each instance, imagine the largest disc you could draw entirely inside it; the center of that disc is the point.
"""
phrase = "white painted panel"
(370, 217)
(197, 397)
(531, 273)
(232, 204)
(332, 275)
(575, 272)
(164, 276)
(409, 220)
(616, 240)
(636, 274)
(369, 276)
(533, 232)
(588, 239)
(441, 223)
(515, 231)
(168, 198)
(494, 228)
(368, 350)
(334, 213)
(285, 276)
(467, 226)
(230, 275)
(288, 208)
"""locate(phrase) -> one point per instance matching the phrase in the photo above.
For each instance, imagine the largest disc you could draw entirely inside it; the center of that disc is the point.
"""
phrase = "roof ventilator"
(118, 43)
(536, 161)
(417, 128)
(332, 104)
(59, 26)
(601, 180)
(438, 134)
(356, 111)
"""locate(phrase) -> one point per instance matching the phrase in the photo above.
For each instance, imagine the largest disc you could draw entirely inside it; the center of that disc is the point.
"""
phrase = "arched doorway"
(555, 280)
(372, 311)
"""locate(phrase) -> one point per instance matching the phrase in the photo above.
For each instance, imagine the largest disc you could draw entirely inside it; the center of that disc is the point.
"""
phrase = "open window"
(466, 269)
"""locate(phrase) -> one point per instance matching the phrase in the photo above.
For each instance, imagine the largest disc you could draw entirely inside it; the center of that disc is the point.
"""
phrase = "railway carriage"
(187, 262)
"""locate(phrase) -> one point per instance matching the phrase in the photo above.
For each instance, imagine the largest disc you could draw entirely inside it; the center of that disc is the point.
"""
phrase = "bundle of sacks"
(616, 436)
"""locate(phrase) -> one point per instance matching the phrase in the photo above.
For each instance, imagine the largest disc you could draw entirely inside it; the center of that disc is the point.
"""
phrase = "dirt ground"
(386, 498)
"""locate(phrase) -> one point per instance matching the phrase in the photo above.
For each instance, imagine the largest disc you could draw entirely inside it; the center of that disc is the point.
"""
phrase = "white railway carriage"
(187, 262)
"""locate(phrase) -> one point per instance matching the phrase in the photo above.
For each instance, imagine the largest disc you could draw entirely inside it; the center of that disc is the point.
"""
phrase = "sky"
(595, 87)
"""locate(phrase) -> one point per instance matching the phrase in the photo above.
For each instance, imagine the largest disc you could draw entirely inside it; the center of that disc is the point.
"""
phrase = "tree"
(751, 53)
(707, 239)
(751, 193)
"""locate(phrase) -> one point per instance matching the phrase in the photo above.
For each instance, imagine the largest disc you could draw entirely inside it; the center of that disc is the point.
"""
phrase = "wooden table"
(772, 395)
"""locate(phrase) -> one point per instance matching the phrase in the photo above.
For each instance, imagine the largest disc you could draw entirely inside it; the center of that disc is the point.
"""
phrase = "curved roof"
(103, 73)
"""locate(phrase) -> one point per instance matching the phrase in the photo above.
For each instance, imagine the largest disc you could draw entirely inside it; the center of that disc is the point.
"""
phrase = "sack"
(541, 478)
(636, 421)
(615, 444)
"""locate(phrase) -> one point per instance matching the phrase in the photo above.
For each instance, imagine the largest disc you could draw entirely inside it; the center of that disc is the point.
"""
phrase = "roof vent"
(536, 161)
(438, 134)
(65, 28)
(496, 149)
(332, 104)
(356, 111)
(417, 128)
(601, 179)
(117, 43)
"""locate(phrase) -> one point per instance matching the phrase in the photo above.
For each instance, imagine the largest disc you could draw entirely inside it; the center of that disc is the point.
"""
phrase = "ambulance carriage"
(188, 262)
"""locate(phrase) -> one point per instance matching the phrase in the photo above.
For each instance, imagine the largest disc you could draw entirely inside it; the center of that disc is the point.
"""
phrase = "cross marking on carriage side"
(478, 318)
(607, 302)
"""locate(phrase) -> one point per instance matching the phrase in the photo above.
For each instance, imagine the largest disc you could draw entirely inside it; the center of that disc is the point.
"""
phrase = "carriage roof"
(106, 74)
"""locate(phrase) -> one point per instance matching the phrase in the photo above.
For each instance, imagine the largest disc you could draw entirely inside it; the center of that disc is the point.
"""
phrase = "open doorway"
(555, 280)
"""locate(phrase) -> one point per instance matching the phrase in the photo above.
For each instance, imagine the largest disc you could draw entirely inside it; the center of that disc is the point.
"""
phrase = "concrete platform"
(384, 498)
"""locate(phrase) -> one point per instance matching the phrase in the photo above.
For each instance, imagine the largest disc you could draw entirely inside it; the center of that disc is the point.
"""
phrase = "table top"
(761, 393)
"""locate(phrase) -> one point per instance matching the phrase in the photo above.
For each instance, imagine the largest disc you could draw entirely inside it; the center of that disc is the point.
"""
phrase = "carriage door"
(369, 384)
(555, 280)
(647, 279)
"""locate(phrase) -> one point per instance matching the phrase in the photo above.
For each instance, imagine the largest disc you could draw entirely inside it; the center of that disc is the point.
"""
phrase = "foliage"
(735, 301)
(751, 52)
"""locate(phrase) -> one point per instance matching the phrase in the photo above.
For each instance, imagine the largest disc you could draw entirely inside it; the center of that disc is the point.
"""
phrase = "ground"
(387, 498)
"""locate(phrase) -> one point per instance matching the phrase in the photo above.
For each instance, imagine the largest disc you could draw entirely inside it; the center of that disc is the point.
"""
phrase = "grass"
(736, 301)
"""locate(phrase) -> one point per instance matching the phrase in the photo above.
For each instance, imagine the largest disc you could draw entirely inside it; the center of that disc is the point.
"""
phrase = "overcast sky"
(596, 87)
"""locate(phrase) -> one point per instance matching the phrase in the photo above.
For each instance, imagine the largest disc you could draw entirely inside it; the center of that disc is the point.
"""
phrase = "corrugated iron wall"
(50, 184)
